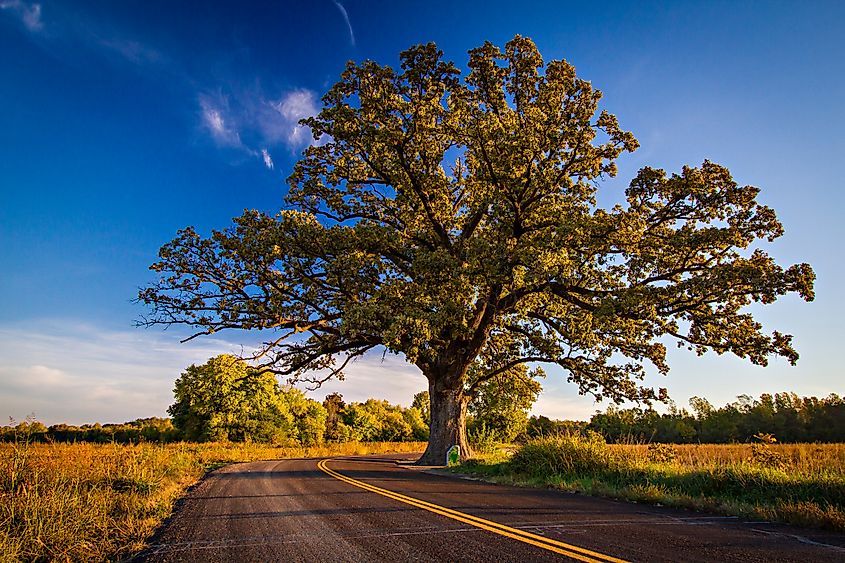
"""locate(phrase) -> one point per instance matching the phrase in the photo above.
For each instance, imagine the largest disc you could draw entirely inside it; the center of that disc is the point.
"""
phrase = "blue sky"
(121, 122)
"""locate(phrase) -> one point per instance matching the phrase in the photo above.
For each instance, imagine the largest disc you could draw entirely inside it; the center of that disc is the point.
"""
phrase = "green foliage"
(539, 426)
(286, 417)
(454, 220)
(309, 416)
(564, 454)
(483, 440)
(422, 402)
(379, 421)
(151, 429)
(227, 400)
(785, 415)
(418, 423)
(501, 403)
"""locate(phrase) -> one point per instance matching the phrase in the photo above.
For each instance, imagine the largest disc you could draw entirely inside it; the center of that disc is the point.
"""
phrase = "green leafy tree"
(336, 430)
(379, 421)
(309, 416)
(501, 404)
(416, 421)
(422, 403)
(454, 220)
(362, 421)
(225, 399)
(541, 426)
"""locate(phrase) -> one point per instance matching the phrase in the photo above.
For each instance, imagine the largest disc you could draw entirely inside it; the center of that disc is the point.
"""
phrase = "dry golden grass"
(806, 459)
(801, 484)
(99, 502)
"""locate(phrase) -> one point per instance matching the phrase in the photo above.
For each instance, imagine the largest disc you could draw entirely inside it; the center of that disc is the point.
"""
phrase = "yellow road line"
(569, 550)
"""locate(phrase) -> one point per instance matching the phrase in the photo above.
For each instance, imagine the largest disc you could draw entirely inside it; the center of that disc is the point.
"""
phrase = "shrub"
(762, 454)
(662, 453)
(564, 454)
(483, 439)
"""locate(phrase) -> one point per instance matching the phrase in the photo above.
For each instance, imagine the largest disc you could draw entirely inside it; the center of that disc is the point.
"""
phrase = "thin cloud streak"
(268, 160)
(133, 51)
(217, 123)
(248, 120)
(236, 118)
(346, 19)
(29, 14)
(73, 372)
(68, 32)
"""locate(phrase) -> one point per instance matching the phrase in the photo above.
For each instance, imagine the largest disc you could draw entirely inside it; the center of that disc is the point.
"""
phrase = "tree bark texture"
(448, 424)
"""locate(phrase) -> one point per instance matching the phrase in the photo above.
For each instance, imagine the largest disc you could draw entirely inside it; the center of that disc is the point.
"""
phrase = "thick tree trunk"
(448, 424)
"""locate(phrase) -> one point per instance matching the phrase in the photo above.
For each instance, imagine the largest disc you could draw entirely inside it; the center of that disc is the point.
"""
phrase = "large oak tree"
(453, 220)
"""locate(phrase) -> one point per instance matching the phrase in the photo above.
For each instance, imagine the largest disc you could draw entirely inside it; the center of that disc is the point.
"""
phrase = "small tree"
(501, 403)
(224, 399)
(309, 416)
(336, 430)
(422, 403)
(455, 221)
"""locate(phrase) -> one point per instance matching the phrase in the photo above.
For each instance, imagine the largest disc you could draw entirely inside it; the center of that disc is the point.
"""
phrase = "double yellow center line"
(569, 550)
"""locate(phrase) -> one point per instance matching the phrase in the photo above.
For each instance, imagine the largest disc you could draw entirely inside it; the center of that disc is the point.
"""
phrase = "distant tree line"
(152, 429)
(226, 400)
(370, 421)
(787, 416)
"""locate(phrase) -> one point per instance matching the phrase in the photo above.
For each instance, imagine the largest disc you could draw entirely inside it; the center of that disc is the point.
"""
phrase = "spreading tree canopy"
(454, 220)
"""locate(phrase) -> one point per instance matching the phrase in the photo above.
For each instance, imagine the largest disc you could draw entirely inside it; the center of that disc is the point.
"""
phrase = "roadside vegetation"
(800, 484)
(102, 502)
(98, 492)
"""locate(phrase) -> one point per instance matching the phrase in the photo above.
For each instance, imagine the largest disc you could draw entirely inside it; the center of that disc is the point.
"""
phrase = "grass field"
(89, 502)
(100, 502)
(796, 483)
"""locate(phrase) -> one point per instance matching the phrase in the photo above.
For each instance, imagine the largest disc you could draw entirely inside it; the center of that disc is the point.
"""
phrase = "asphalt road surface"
(373, 509)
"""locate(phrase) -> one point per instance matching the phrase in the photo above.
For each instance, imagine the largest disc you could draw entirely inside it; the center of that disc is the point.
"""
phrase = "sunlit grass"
(806, 459)
(95, 502)
(797, 483)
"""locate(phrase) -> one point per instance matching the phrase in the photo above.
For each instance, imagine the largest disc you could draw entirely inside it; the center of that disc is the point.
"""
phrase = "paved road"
(371, 509)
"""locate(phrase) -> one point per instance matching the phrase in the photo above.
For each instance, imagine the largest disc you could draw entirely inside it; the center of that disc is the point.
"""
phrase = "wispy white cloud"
(345, 15)
(214, 118)
(292, 107)
(237, 118)
(131, 50)
(254, 123)
(268, 160)
(29, 14)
